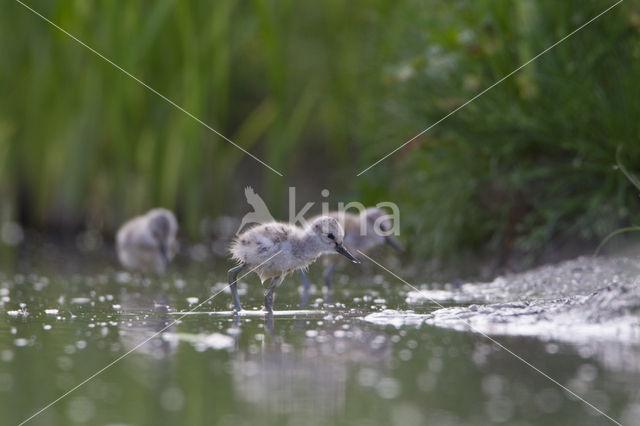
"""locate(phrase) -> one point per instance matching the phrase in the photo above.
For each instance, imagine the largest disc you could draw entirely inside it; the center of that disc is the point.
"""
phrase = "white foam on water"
(572, 320)
(397, 318)
(426, 295)
(202, 341)
(246, 313)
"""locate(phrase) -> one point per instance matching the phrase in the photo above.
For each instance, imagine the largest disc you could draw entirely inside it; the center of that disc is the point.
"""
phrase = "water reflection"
(309, 381)
(281, 366)
(354, 364)
(146, 317)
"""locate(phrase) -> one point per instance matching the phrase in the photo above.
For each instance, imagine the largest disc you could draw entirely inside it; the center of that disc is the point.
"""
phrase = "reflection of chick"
(147, 243)
(260, 213)
(310, 382)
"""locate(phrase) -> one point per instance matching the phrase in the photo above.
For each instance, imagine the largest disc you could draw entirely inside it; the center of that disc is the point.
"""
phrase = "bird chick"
(367, 230)
(147, 243)
(273, 250)
(363, 232)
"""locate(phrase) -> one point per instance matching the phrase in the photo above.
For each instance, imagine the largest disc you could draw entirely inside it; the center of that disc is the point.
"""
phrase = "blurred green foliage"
(320, 90)
(533, 160)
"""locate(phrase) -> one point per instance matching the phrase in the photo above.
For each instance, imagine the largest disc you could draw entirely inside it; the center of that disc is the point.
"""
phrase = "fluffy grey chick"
(147, 243)
(273, 250)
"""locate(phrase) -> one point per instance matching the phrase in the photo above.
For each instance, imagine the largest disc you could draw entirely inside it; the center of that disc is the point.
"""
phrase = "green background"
(320, 90)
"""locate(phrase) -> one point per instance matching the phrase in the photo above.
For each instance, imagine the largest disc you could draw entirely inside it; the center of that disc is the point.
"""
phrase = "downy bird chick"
(273, 250)
(147, 243)
(363, 232)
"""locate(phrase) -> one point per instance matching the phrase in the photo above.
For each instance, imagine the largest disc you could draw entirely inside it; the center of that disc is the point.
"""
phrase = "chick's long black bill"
(343, 251)
(165, 254)
(393, 243)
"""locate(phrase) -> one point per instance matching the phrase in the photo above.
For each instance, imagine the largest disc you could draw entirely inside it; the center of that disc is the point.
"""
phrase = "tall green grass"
(83, 142)
(320, 90)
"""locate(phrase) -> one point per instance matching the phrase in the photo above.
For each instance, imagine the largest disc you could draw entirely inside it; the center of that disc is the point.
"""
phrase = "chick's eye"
(331, 236)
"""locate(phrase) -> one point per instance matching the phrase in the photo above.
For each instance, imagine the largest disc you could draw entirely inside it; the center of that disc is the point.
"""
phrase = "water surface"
(383, 354)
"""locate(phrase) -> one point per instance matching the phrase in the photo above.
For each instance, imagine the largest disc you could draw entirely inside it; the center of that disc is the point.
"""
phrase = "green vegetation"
(320, 90)
(636, 183)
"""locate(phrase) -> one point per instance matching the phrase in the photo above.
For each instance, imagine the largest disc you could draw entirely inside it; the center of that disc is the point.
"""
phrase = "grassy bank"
(320, 91)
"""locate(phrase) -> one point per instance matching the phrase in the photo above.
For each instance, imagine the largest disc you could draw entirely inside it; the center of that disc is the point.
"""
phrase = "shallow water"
(383, 354)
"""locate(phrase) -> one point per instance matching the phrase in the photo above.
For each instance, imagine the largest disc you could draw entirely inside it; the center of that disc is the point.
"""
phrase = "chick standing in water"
(276, 249)
(147, 243)
(362, 232)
